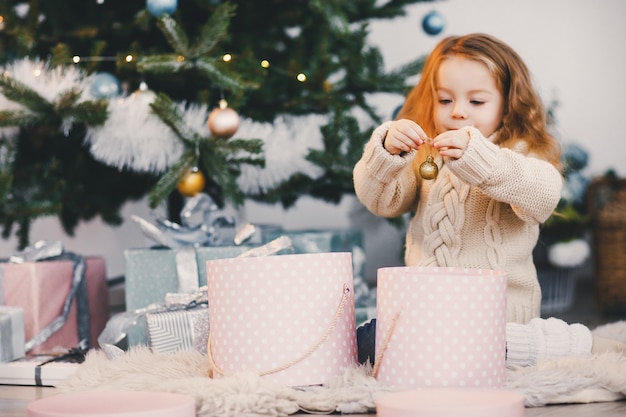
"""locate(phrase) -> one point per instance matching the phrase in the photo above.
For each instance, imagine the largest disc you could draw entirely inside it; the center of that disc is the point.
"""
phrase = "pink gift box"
(441, 327)
(288, 318)
(40, 288)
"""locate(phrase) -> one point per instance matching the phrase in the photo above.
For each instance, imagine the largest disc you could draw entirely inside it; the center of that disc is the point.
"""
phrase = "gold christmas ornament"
(192, 183)
(429, 169)
(223, 121)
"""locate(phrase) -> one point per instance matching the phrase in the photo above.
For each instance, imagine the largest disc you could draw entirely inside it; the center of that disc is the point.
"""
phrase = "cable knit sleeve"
(543, 339)
(385, 183)
(531, 186)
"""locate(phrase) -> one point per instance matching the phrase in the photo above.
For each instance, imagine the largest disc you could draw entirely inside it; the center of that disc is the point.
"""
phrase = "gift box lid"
(114, 403)
(451, 402)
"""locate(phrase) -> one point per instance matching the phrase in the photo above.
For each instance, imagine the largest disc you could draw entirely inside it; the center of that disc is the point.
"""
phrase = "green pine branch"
(218, 158)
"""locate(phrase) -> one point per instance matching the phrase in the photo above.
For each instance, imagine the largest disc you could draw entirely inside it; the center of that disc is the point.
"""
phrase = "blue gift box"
(323, 240)
(151, 273)
(12, 334)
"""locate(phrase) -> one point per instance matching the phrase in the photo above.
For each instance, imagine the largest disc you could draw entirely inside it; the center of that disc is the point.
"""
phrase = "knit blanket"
(585, 379)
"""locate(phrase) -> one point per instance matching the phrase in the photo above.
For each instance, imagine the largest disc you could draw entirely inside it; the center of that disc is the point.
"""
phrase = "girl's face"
(467, 95)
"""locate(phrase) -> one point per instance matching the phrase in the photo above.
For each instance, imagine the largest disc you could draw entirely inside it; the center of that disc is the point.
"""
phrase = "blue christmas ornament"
(433, 23)
(158, 8)
(105, 85)
(574, 157)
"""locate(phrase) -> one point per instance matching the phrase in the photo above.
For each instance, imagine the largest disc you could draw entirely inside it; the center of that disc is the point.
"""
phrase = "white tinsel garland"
(286, 142)
(48, 82)
(134, 137)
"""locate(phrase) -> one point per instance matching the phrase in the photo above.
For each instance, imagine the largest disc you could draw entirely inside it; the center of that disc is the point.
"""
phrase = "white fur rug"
(593, 378)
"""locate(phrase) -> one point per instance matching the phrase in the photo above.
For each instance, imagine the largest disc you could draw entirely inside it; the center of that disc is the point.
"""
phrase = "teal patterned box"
(151, 273)
(322, 240)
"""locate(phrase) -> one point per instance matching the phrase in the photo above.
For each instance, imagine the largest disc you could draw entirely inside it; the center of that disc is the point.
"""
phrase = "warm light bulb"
(265, 63)
(180, 58)
(223, 104)
(76, 59)
(227, 57)
(129, 58)
(301, 77)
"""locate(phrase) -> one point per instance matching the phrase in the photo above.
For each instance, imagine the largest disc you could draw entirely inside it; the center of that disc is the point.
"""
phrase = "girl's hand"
(452, 143)
(404, 136)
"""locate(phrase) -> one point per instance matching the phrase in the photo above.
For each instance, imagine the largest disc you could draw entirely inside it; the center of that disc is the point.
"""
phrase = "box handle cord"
(385, 342)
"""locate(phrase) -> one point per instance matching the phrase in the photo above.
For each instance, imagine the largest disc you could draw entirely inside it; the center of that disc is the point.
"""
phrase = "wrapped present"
(64, 298)
(152, 273)
(12, 339)
(319, 241)
(172, 331)
(38, 370)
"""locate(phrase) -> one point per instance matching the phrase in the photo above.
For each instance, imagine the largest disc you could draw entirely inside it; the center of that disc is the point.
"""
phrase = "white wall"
(574, 49)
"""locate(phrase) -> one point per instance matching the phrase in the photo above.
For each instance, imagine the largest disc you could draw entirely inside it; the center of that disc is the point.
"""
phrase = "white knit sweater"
(482, 211)
(541, 340)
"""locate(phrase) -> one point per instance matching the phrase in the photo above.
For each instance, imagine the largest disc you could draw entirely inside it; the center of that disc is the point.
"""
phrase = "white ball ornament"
(105, 85)
(223, 121)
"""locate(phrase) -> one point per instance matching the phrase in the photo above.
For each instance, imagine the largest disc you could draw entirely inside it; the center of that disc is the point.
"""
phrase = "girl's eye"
(445, 101)
(477, 102)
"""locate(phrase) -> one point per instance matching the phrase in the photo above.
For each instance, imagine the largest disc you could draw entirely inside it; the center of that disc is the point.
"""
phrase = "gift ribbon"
(53, 251)
(74, 355)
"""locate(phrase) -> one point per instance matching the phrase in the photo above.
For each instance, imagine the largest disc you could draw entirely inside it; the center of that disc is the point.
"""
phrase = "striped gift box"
(173, 331)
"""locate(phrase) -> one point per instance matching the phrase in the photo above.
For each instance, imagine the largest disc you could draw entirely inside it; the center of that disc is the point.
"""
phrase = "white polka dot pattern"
(265, 312)
(450, 330)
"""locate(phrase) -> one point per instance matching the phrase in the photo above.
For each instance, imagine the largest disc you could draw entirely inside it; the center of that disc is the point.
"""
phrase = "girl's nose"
(458, 111)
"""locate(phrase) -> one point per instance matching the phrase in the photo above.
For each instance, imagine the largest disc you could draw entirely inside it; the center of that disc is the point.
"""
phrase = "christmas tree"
(106, 101)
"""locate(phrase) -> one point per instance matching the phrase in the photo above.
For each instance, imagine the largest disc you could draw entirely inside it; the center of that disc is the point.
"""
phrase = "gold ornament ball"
(223, 122)
(191, 184)
(428, 169)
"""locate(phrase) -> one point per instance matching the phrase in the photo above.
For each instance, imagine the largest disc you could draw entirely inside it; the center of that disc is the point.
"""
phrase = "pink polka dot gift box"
(441, 327)
(289, 318)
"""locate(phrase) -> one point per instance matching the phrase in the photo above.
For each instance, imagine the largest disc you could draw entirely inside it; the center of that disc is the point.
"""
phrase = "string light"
(76, 59)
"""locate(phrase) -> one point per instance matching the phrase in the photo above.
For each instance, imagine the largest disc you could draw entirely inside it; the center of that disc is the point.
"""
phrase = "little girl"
(470, 155)
(474, 118)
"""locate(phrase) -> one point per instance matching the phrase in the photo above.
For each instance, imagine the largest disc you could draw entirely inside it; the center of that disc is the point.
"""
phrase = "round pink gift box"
(441, 327)
(288, 318)
(114, 404)
(451, 402)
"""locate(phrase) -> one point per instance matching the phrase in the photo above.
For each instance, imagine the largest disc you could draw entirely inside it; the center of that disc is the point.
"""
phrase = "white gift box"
(441, 327)
(288, 318)
(30, 371)
(172, 331)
